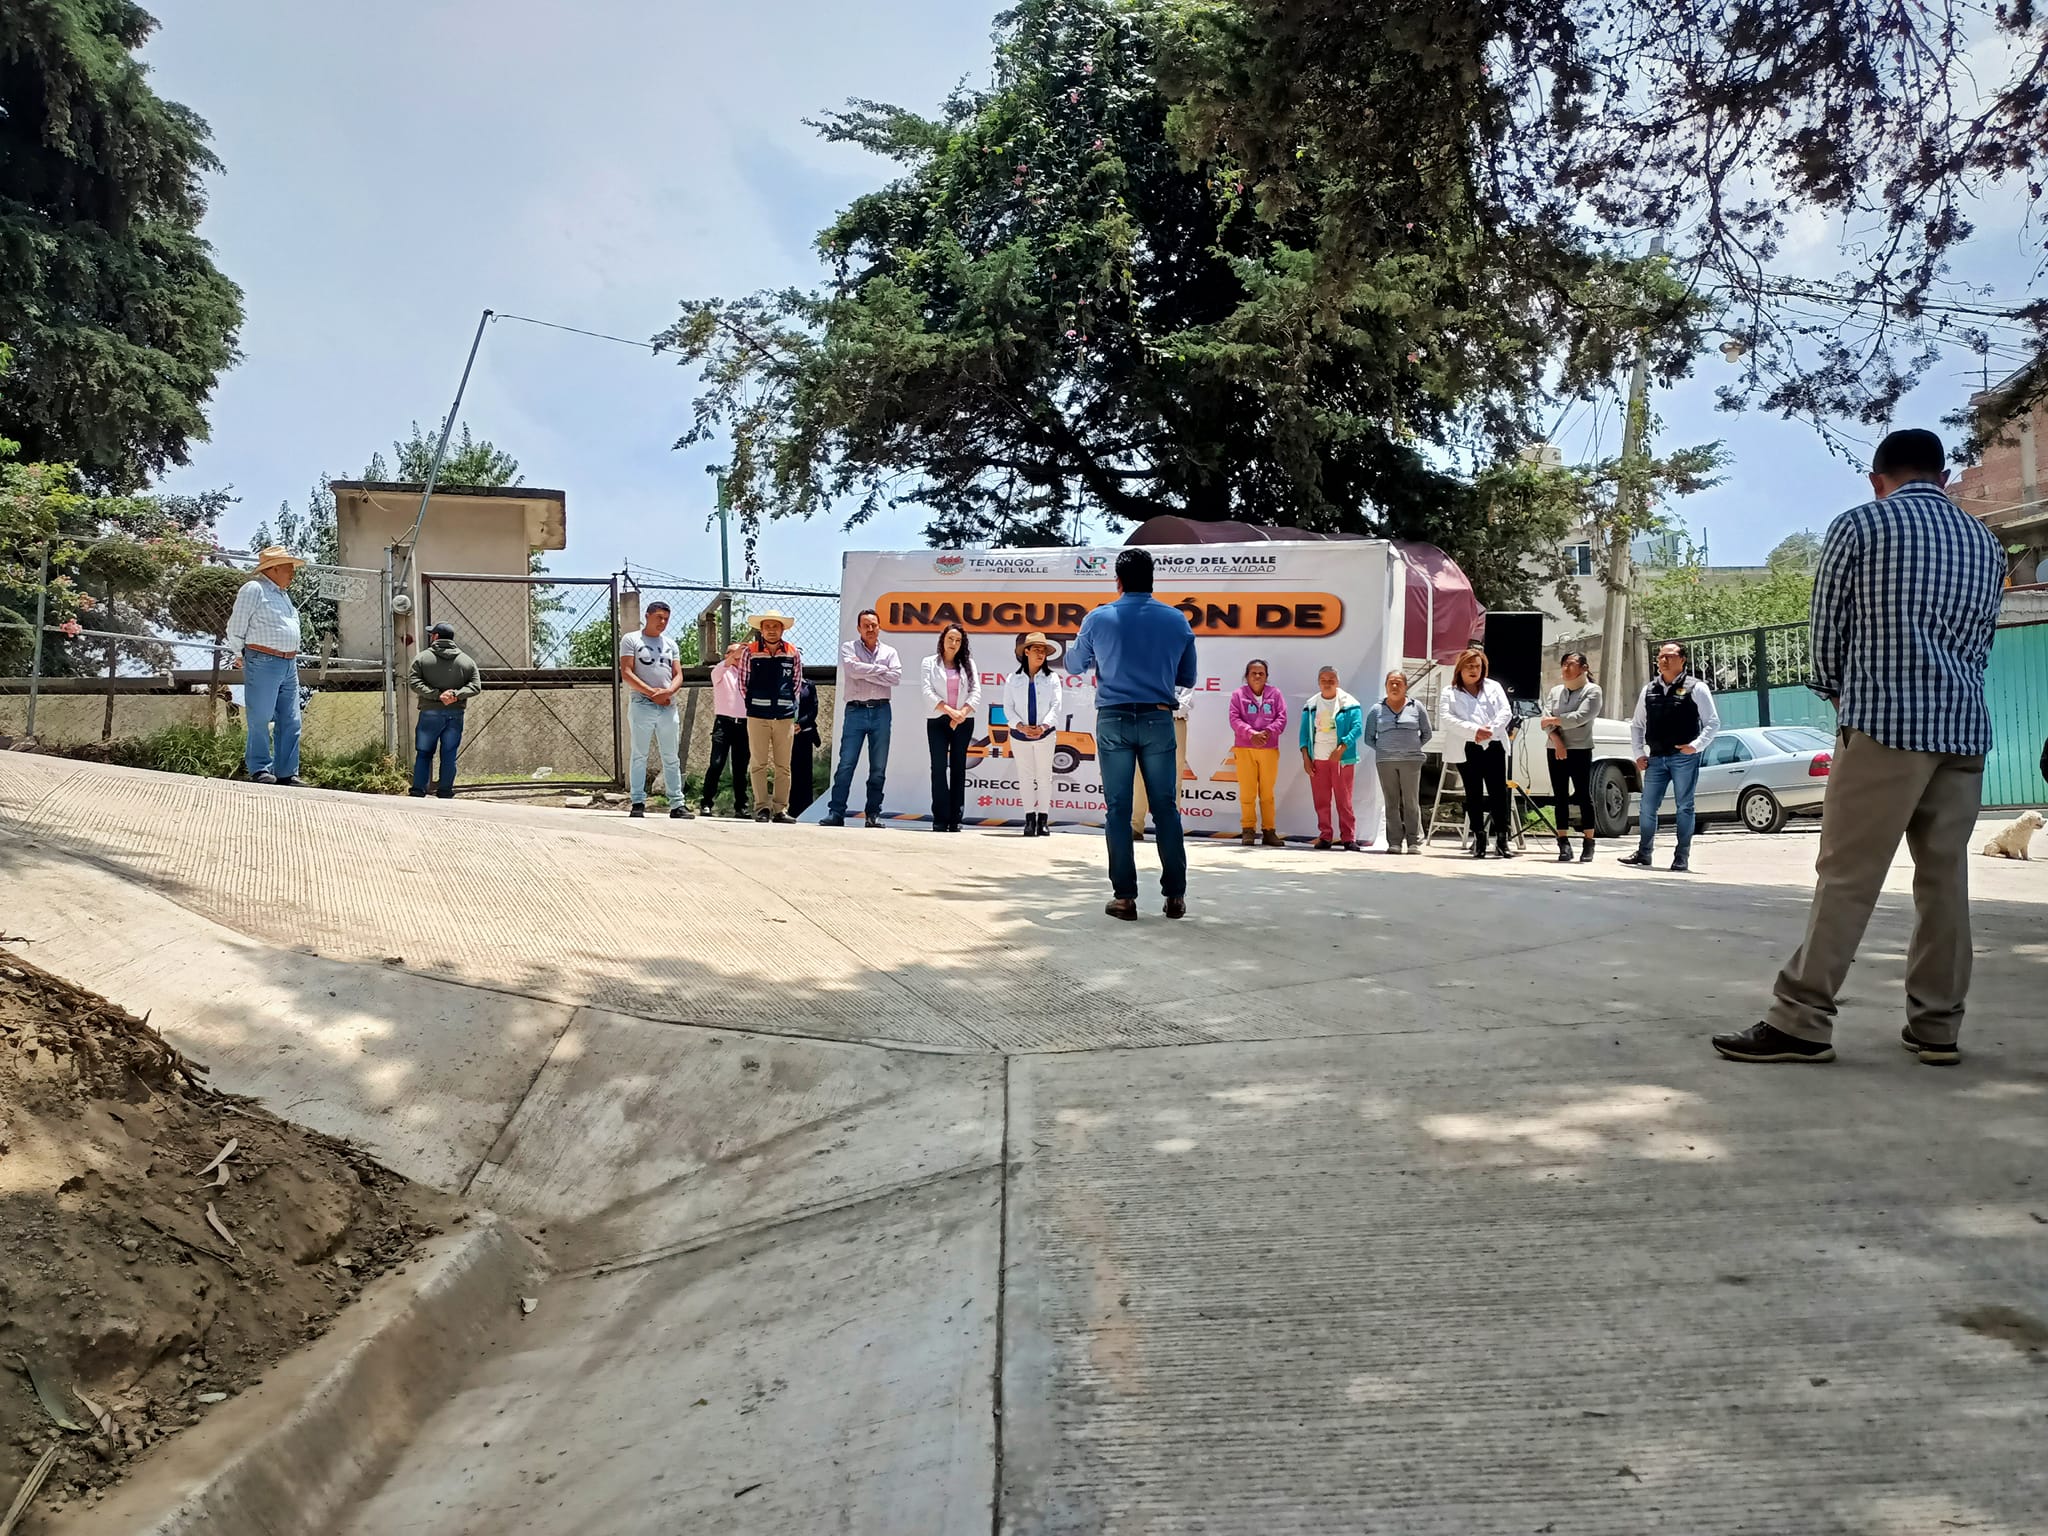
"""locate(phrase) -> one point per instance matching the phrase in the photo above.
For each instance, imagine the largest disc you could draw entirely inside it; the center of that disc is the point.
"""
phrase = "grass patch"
(200, 753)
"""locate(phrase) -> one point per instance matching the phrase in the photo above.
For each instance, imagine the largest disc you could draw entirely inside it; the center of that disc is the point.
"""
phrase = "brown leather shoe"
(1123, 911)
(1248, 837)
(1176, 906)
(1274, 839)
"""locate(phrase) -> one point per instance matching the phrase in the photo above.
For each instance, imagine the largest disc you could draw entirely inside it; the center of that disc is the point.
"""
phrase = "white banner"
(1297, 607)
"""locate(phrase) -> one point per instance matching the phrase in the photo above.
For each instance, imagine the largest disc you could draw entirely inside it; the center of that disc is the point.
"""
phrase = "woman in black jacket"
(803, 750)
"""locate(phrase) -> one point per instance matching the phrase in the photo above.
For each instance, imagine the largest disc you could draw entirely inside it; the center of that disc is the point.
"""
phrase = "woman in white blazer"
(952, 696)
(1031, 706)
(1477, 714)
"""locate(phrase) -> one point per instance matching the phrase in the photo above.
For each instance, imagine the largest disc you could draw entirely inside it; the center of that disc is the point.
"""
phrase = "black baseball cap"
(443, 631)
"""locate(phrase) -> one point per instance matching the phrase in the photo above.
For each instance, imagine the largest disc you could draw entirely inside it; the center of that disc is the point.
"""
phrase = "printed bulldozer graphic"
(1072, 748)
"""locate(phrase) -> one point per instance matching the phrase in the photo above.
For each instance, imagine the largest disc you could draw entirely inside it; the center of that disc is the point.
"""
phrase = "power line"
(577, 330)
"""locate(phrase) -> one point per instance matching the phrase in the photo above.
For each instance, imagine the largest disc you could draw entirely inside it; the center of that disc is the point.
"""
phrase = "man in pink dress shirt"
(728, 731)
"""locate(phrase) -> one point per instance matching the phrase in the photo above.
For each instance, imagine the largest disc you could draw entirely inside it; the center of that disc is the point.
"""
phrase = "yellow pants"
(1258, 770)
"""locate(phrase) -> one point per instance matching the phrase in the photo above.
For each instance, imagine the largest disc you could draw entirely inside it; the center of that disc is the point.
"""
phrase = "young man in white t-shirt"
(652, 669)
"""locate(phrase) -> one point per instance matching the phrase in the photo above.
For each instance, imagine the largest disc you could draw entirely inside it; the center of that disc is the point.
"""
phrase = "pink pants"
(1332, 779)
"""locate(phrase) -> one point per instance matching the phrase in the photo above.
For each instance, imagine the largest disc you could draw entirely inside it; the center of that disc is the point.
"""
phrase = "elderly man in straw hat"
(773, 668)
(264, 630)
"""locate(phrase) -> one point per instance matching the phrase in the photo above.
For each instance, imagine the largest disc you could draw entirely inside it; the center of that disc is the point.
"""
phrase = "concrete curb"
(288, 1457)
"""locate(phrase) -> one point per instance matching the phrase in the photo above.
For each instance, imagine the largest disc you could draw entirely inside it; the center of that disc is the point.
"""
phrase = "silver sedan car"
(1763, 775)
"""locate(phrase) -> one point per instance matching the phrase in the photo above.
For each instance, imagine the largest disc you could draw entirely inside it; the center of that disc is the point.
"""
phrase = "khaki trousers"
(768, 745)
(1876, 795)
(1140, 805)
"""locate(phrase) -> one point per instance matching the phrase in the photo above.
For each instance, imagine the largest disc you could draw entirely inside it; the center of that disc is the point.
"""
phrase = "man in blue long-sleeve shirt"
(1141, 651)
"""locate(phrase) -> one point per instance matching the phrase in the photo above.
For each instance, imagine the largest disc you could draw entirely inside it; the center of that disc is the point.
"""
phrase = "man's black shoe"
(1501, 850)
(639, 812)
(417, 794)
(1348, 847)
(1636, 860)
(874, 821)
(1760, 1042)
(1680, 867)
(760, 815)
(290, 781)
(679, 813)
(1322, 845)
(1930, 1055)
(833, 821)
(1479, 848)
(1176, 906)
(781, 818)
(1124, 911)
(703, 807)
(262, 778)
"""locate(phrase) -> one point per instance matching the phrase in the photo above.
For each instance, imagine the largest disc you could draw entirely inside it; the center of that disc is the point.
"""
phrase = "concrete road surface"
(892, 1188)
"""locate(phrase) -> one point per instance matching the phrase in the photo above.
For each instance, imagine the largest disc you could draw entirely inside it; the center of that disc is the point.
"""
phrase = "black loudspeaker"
(1514, 653)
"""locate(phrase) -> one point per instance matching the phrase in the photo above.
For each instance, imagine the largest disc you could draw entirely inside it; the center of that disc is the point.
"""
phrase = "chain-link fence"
(126, 618)
(708, 613)
(546, 648)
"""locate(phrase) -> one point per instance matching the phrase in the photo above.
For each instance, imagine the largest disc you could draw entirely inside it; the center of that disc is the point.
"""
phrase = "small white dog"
(2012, 842)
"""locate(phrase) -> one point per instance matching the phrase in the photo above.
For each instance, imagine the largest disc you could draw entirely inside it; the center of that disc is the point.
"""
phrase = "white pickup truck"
(1616, 783)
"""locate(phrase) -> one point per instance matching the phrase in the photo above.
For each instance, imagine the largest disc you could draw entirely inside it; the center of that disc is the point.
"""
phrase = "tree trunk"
(113, 665)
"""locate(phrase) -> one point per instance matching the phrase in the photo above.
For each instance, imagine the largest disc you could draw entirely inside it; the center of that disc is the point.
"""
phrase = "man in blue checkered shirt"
(1905, 604)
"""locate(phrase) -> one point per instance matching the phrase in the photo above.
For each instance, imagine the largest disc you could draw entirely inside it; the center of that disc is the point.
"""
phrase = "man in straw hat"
(263, 631)
(773, 667)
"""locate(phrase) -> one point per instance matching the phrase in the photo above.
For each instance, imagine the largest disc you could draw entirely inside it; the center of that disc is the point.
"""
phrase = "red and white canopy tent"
(1444, 615)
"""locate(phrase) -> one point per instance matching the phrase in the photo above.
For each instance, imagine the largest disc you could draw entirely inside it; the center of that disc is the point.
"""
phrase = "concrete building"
(2004, 488)
(469, 530)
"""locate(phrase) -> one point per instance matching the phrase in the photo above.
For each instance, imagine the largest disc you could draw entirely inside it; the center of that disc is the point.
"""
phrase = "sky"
(394, 167)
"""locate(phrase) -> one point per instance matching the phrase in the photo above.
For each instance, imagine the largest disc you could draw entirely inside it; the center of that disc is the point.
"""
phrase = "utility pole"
(717, 474)
(724, 502)
(1627, 508)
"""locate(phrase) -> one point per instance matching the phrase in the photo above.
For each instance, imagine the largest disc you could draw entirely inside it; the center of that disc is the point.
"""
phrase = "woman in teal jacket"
(1331, 723)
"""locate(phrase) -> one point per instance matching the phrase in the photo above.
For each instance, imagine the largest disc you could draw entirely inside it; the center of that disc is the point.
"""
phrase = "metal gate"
(547, 647)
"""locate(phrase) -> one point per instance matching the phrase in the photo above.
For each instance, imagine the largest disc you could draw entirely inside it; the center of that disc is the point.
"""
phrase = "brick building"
(2006, 486)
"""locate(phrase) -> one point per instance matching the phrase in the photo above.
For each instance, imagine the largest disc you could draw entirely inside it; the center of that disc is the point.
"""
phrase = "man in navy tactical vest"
(1675, 721)
(773, 667)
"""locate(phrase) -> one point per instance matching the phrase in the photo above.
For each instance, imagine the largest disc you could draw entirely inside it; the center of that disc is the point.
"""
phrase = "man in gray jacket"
(444, 680)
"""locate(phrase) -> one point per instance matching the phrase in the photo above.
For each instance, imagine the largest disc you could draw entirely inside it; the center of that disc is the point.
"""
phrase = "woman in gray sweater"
(1568, 717)
(1395, 730)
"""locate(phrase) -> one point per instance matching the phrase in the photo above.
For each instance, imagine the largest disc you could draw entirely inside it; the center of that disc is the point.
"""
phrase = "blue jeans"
(270, 697)
(1680, 770)
(437, 728)
(647, 719)
(866, 723)
(1130, 740)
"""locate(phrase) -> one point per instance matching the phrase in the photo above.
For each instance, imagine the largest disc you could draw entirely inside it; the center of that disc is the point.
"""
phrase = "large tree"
(1720, 123)
(1056, 305)
(119, 321)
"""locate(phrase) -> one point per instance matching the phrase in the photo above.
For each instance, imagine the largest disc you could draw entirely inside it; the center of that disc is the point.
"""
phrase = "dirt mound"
(138, 1286)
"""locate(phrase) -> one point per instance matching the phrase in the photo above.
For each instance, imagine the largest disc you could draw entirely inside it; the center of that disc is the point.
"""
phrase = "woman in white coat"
(1477, 714)
(952, 696)
(1031, 706)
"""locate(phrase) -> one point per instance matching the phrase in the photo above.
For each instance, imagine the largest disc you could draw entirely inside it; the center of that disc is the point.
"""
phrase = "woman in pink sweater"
(1258, 715)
